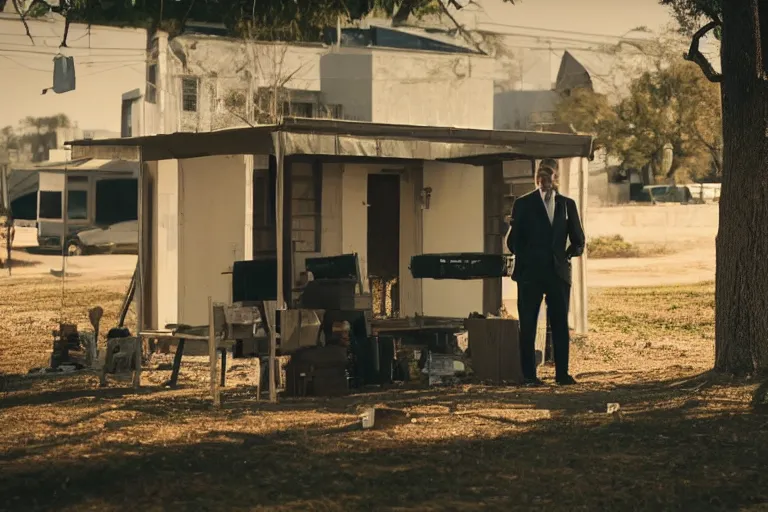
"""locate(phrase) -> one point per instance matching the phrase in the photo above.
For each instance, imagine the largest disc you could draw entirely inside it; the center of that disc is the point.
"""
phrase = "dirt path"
(686, 267)
(28, 261)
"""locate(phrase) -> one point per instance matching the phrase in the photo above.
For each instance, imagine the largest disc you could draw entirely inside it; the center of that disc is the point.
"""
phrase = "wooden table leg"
(223, 367)
(176, 364)
(212, 355)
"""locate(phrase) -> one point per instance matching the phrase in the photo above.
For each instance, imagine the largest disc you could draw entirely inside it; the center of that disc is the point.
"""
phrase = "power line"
(68, 47)
(24, 65)
(573, 32)
(53, 54)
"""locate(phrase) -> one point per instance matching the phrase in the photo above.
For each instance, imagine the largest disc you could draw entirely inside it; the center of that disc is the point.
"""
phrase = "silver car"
(122, 237)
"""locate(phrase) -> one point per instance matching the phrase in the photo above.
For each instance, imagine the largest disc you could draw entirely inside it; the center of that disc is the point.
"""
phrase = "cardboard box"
(495, 347)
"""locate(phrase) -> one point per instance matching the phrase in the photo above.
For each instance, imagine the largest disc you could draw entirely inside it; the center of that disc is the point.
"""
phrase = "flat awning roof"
(333, 138)
(80, 165)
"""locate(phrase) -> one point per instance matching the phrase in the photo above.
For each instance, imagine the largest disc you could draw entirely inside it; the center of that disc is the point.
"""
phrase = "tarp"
(21, 183)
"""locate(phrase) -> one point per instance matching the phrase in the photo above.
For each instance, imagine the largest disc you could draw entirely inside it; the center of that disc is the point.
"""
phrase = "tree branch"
(23, 17)
(694, 54)
(461, 28)
(66, 33)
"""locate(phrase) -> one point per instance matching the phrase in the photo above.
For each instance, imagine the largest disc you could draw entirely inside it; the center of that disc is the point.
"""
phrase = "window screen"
(189, 94)
(50, 205)
(77, 204)
(116, 200)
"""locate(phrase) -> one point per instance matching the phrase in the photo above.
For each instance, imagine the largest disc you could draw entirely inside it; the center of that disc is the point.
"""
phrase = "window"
(152, 83)
(298, 109)
(77, 204)
(305, 206)
(126, 119)
(116, 200)
(331, 111)
(264, 226)
(189, 94)
(50, 205)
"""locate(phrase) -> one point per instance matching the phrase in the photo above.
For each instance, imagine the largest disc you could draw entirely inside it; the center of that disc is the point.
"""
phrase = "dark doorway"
(384, 241)
(264, 225)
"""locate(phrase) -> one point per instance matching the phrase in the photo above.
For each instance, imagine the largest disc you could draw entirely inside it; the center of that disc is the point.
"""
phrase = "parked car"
(670, 194)
(122, 237)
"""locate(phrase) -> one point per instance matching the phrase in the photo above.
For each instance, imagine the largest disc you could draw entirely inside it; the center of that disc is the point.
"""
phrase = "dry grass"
(683, 440)
(616, 247)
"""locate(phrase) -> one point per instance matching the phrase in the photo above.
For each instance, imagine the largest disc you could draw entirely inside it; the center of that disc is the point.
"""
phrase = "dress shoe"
(565, 381)
(534, 382)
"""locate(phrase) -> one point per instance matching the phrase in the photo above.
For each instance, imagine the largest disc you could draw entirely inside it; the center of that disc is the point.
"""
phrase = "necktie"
(548, 203)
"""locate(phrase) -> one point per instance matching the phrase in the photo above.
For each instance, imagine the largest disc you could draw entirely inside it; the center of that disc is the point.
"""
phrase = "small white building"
(200, 83)
(320, 187)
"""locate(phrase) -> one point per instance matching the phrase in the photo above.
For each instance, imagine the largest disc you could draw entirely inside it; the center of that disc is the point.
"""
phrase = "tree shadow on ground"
(656, 457)
(14, 263)
(50, 397)
(38, 250)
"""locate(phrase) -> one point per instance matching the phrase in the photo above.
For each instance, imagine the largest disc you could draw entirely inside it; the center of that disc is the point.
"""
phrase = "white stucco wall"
(354, 213)
(346, 80)
(523, 110)
(214, 229)
(453, 223)
(166, 244)
(371, 84)
(223, 67)
(434, 89)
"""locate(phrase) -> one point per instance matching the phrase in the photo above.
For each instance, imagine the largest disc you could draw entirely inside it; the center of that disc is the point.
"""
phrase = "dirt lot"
(682, 440)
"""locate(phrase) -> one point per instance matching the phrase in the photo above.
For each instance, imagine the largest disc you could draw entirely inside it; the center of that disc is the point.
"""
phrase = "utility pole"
(4, 198)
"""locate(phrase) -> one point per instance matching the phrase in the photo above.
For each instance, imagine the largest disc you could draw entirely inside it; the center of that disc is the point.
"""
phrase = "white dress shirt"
(550, 206)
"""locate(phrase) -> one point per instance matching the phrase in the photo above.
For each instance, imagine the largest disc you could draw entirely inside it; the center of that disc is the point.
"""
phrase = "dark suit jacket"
(540, 247)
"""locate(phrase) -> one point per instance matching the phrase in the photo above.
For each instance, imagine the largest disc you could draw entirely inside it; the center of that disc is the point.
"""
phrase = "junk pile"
(75, 350)
(72, 350)
(318, 371)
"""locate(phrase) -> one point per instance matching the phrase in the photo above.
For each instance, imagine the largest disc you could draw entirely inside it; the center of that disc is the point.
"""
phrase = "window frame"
(151, 93)
(70, 192)
(315, 178)
(188, 95)
(44, 215)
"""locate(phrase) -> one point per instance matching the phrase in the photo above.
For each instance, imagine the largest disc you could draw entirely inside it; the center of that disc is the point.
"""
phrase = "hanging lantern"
(63, 75)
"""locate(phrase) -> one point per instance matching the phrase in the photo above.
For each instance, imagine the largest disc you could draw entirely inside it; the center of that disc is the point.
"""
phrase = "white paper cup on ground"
(367, 418)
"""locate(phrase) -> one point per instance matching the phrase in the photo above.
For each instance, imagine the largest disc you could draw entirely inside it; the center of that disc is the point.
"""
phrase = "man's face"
(545, 179)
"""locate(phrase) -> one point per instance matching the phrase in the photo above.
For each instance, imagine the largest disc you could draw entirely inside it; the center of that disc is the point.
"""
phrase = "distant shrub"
(612, 247)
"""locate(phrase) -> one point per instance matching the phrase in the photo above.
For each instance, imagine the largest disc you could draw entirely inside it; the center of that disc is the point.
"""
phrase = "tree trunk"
(741, 297)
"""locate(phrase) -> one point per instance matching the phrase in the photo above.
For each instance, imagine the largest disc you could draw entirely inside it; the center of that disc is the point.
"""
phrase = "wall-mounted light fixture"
(426, 195)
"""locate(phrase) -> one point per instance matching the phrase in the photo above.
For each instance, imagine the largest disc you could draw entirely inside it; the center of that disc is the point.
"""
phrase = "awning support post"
(279, 221)
(140, 276)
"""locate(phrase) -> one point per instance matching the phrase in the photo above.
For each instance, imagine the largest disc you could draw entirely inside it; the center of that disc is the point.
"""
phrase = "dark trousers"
(529, 296)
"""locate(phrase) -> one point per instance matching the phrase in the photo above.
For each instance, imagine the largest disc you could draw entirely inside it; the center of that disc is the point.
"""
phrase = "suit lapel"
(559, 205)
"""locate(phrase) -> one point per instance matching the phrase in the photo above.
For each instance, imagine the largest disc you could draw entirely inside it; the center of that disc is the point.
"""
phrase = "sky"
(110, 61)
(114, 65)
(613, 17)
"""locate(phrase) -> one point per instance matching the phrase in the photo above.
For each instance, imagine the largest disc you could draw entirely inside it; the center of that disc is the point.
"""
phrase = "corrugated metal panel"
(347, 138)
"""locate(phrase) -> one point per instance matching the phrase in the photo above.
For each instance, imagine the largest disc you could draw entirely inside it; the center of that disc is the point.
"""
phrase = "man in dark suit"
(542, 222)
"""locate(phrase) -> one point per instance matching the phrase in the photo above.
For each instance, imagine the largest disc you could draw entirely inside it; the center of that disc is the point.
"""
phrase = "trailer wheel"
(74, 248)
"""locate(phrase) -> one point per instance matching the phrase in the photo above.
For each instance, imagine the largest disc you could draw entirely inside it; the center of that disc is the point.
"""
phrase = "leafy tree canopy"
(294, 20)
(689, 13)
(671, 107)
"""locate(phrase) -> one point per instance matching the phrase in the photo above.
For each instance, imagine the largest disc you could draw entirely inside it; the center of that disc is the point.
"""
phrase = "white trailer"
(81, 194)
